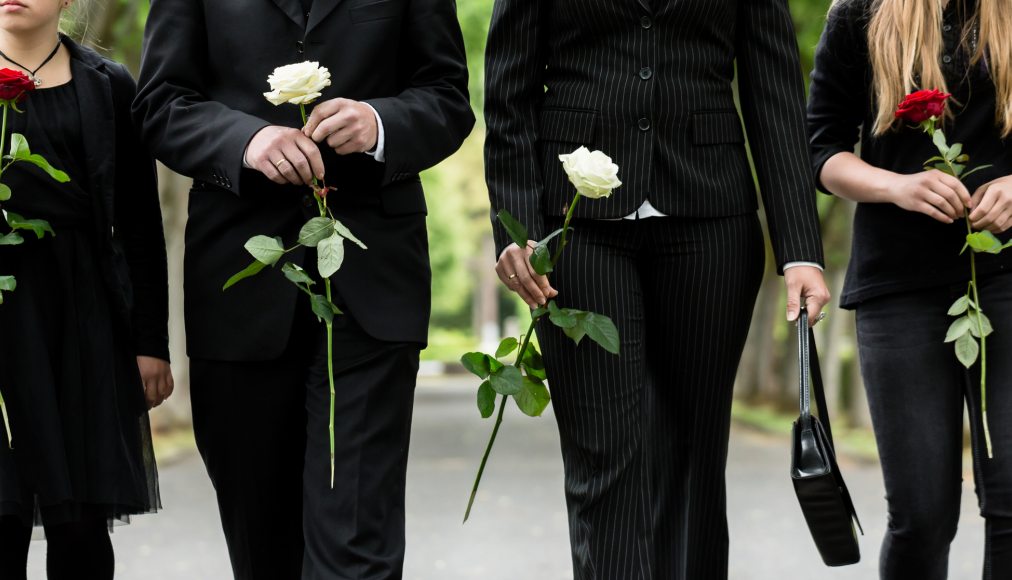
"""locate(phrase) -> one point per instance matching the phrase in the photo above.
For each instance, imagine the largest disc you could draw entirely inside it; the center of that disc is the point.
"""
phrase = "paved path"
(518, 531)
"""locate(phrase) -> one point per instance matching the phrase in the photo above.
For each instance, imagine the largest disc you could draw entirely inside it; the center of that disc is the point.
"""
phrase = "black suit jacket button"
(646, 22)
(300, 46)
(646, 73)
(644, 124)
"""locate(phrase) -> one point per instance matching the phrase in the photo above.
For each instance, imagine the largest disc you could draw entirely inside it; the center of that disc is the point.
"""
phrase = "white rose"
(298, 84)
(591, 172)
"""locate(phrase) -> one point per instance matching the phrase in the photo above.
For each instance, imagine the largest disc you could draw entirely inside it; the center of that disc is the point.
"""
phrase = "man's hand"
(515, 271)
(346, 126)
(992, 206)
(805, 283)
(285, 156)
(156, 375)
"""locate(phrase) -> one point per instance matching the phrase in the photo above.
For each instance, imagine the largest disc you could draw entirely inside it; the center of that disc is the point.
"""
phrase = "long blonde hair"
(905, 45)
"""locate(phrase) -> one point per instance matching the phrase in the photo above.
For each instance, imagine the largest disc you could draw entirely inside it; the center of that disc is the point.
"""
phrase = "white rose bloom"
(591, 172)
(298, 84)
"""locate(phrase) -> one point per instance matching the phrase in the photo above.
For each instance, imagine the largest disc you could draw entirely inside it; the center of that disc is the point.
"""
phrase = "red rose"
(14, 85)
(920, 106)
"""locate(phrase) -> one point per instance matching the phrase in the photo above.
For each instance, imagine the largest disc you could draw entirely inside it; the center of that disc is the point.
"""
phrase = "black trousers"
(262, 430)
(644, 434)
(917, 392)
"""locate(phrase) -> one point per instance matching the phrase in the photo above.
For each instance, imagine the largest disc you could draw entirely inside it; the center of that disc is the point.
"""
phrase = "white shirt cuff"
(790, 265)
(379, 153)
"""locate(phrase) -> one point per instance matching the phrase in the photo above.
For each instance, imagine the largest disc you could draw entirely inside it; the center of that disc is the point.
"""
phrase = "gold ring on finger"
(511, 276)
(279, 162)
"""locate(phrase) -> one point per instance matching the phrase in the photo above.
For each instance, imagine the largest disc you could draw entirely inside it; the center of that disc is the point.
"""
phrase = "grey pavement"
(518, 530)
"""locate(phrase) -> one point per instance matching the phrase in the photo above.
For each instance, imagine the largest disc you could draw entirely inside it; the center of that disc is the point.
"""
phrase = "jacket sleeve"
(773, 106)
(515, 61)
(138, 224)
(430, 118)
(839, 98)
(194, 136)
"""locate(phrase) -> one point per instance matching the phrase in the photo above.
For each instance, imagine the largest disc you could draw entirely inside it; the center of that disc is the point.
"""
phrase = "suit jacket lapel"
(293, 8)
(94, 98)
(321, 9)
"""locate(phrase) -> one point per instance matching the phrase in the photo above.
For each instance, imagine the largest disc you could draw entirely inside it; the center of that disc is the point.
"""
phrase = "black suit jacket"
(649, 82)
(121, 173)
(203, 76)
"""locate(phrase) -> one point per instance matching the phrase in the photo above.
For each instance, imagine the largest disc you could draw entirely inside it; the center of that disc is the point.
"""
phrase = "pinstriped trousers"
(644, 434)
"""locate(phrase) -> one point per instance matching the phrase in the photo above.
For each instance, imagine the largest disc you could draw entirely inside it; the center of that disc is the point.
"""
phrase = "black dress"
(82, 443)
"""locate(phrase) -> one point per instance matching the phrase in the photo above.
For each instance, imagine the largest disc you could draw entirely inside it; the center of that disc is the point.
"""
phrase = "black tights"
(75, 551)
(998, 555)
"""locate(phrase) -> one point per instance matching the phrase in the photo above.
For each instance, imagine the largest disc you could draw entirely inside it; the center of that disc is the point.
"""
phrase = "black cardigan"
(124, 184)
(895, 250)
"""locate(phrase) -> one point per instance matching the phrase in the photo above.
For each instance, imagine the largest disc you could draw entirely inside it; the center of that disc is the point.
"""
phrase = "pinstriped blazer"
(649, 82)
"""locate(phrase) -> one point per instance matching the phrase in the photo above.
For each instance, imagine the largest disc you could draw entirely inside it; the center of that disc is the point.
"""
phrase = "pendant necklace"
(31, 73)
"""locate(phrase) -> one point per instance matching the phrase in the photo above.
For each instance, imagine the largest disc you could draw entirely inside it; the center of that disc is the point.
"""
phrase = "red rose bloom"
(14, 85)
(920, 106)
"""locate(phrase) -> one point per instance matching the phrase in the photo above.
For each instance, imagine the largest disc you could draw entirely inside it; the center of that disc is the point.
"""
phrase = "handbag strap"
(811, 376)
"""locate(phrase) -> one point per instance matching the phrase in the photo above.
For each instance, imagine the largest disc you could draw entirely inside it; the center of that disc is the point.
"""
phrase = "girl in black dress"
(906, 268)
(83, 338)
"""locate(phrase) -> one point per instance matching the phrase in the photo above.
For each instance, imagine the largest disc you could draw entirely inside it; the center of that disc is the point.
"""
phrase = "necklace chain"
(31, 72)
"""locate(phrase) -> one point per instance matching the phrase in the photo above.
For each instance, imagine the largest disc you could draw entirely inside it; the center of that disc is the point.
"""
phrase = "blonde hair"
(905, 46)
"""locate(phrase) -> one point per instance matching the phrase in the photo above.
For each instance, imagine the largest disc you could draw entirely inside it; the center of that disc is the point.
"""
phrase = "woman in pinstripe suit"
(675, 257)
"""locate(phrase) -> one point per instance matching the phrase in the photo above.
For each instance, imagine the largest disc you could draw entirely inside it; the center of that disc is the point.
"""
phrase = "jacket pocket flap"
(716, 127)
(375, 10)
(568, 125)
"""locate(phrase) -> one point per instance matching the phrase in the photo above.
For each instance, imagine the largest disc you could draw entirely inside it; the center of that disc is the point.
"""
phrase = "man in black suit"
(675, 257)
(398, 105)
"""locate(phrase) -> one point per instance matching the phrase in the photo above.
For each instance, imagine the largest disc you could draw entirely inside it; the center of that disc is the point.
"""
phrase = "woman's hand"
(515, 271)
(992, 206)
(156, 375)
(805, 285)
(932, 193)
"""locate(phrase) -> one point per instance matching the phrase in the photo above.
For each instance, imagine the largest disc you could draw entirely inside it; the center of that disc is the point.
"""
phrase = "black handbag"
(823, 495)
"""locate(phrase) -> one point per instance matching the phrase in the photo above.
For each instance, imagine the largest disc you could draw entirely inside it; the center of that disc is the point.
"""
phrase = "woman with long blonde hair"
(906, 268)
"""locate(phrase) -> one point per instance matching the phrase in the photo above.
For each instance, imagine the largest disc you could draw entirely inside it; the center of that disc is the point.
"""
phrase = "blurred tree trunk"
(174, 193)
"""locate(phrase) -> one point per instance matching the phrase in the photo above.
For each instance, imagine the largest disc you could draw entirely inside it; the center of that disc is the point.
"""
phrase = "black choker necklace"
(31, 73)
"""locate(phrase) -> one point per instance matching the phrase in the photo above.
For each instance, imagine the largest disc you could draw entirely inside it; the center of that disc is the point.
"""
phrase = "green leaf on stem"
(11, 239)
(506, 380)
(19, 147)
(7, 284)
(963, 158)
(539, 312)
(265, 249)
(486, 400)
(959, 328)
(960, 306)
(551, 236)
(954, 151)
(541, 260)
(5, 192)
(39, 227)
(561, 317)
(506, 347)
(477, 363)
(515, 229)
(980, 324)
(944, 168)
(939, 139)
(967, 350)
(533, 397)
(296, 274)
(41, 163)
(579, 330)
(345, 233)
(315, 231)
(330, 255)
(984, 242)
(602, 330)
(251, 270)
(324, 309)
(533, 363)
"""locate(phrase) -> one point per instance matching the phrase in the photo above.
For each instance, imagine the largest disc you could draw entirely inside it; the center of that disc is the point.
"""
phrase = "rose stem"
(3, 403)
(517, 363)
(321, 204)
(983, 344)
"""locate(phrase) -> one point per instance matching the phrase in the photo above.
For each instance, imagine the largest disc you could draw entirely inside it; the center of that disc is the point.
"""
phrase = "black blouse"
(895, 250)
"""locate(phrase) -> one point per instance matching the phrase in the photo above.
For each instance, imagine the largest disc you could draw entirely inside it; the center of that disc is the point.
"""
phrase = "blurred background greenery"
(469, 308)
